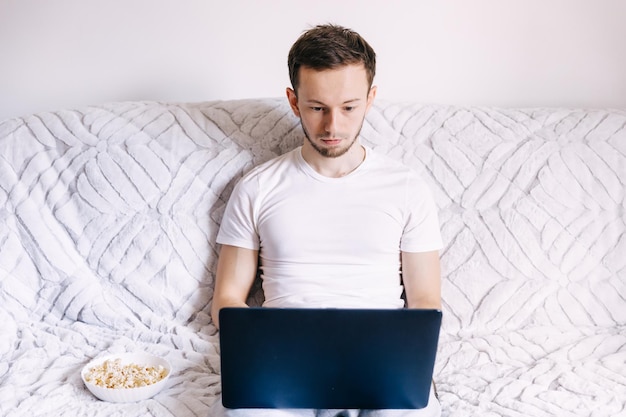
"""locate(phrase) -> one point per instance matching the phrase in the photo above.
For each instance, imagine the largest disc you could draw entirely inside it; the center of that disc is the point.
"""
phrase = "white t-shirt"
(331, 242)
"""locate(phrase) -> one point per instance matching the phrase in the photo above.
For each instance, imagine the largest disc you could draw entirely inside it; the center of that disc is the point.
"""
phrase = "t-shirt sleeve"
(238, 227)
(421, 230)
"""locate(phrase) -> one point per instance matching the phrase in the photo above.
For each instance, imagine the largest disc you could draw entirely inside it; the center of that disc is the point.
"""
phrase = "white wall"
(68, 53)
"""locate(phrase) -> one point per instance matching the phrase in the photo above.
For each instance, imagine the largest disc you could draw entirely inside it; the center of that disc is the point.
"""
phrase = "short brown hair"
(327, 47)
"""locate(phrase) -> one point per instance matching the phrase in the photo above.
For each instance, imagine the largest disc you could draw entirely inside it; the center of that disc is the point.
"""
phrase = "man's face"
(332, 105)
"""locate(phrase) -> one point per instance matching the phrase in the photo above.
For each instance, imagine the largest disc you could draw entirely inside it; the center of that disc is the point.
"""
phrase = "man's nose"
(331, 121)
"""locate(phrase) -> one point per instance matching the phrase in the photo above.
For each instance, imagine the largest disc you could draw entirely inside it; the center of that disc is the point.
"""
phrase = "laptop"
(327, 358)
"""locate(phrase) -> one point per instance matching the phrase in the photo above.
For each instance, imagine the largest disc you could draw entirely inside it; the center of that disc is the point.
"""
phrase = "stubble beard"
(330, 152)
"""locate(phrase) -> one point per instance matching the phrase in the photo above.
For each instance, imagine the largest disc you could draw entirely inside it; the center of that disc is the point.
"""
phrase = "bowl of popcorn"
(126, 377)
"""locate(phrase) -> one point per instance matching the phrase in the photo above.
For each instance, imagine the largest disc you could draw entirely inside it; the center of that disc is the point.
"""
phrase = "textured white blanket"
(108, 217)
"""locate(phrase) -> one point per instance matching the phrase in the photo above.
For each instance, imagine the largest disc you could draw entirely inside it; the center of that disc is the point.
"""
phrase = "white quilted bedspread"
(108, 217)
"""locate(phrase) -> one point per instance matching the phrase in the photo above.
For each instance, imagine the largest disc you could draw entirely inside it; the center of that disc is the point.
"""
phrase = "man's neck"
(334, 167)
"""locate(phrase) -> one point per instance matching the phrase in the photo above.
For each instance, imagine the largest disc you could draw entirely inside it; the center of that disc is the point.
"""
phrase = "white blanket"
(108, 217)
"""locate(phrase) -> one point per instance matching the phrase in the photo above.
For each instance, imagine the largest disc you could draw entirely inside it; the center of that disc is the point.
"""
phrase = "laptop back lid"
(327, 358)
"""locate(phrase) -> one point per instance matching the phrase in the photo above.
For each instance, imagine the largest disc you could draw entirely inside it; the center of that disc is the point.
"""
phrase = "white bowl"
(125, 395)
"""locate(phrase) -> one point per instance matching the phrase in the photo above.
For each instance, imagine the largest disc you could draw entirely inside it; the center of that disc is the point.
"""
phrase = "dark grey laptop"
(327, 358)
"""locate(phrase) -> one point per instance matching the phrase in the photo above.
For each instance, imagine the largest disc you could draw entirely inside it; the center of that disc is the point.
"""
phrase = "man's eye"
(348, 108)
(317, 109)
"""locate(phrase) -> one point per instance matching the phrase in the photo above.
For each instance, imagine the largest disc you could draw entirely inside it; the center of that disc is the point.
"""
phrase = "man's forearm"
(421, 276)
(220, 303)
(425, 303)
(236, 270)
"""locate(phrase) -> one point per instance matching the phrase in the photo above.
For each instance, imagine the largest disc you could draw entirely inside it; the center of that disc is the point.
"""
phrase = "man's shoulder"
(389, 163)
(271, 166)
(394, 170)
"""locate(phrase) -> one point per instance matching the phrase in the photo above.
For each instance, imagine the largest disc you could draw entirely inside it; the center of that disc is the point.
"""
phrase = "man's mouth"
(331, 141)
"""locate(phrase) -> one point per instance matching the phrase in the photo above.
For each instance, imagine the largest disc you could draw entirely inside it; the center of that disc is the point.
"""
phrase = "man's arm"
(236, 270)
(421, 275)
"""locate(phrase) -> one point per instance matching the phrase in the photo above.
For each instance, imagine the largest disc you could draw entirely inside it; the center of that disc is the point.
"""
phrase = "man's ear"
(293, 101)
(371, 96)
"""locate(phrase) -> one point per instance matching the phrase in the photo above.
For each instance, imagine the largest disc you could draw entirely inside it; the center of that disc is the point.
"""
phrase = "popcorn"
(112, 374)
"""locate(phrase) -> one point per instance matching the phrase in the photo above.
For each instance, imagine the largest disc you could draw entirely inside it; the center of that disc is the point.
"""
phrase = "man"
(332, 223)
